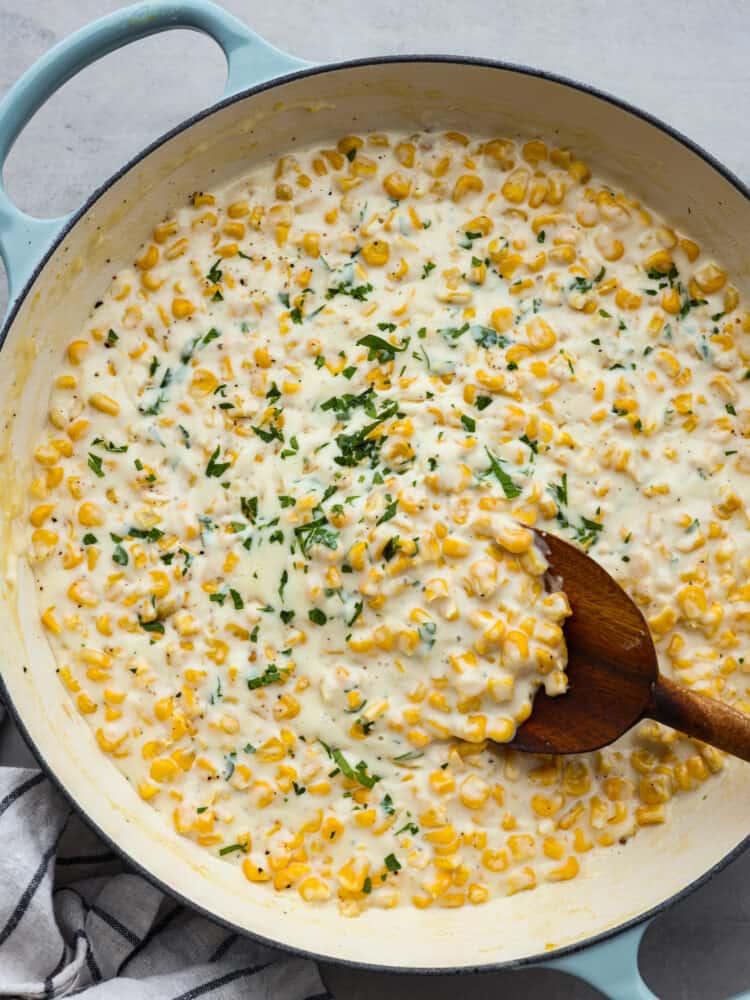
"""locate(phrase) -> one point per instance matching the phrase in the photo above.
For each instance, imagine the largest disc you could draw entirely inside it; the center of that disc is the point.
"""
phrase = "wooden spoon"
(613, 674)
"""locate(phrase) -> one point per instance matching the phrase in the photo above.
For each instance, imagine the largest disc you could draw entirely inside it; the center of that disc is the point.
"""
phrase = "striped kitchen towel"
(75, 920)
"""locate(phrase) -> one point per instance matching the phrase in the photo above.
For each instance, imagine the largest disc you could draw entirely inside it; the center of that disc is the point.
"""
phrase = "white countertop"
(686, 62)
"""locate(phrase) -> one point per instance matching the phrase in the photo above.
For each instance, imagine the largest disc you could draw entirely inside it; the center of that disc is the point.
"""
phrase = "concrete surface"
(686, 62)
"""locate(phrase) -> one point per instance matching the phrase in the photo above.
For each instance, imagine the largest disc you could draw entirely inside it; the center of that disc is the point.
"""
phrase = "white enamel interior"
(622, 883)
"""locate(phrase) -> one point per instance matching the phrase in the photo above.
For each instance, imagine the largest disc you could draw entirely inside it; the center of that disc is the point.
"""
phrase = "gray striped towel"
(75, 920)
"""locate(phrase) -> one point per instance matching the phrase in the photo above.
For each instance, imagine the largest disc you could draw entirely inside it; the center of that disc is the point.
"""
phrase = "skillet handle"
(250, 60)
(610, 966)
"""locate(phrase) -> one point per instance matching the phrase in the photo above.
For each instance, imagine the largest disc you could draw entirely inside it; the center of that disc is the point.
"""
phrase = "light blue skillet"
(610, 962)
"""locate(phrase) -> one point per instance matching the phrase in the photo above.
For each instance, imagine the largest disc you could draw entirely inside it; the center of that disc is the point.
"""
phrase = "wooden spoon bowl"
(613, 672)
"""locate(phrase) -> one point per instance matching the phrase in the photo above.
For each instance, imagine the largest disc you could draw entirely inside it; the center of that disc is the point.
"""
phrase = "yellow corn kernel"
(692, 600)
(238, 209)
(44, 541)
(176, 250)
(477, 893)
(286, 707)
(110, 745)
(201, 198)
(670, 301)
(314, 890)
(397, 185)
(272, 750)
(357, 555)
(566, 871)
(467, 184)
(234, 230)
(104, 404)
(164, 708)
(376, 253)
(311, 244)
(473, 792)
(50, 622)
(494, 861)
(182, 308)
(626, 299)
(163, 231)
(80, 593)
(147, 791)
(650, 815)
(442, 782)
(85, 704)
(90, 515)
(710, 279)
(501, 319)
(253, 873)
(160, 583)
(579, 171)
(455, 547)
(514, 538)
(40, 514)
(544, 806)
(68, 680)
(349, 145)
(77, 351)
(654, 789)
(660, 261)
(149, 259)
(516, 185)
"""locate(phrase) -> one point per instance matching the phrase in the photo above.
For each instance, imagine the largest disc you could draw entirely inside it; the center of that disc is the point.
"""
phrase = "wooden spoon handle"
(698, 715)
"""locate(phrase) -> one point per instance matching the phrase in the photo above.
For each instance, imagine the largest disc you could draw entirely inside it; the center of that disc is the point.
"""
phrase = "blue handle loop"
(610, 966)
(250, 60)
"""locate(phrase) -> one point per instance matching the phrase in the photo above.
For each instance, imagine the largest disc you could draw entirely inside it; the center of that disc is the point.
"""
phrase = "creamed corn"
(280, 513)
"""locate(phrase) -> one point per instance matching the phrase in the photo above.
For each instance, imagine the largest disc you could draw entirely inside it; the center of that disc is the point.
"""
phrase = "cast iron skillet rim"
(529, 960)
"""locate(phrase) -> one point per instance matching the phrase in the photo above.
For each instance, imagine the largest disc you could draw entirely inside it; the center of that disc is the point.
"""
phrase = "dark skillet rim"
(529, 960)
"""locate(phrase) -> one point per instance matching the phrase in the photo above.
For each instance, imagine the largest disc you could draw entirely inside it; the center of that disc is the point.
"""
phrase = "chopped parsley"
(249, 508)
(388, 513)
(215, 274)
(359, 446)
(271, 675)
(231, 847)
(359, 773)
(560, 492)
(316, 532)
(379, 349)
(485, 336)
(588, 531)
(214, 468)
(151, 626)
(120, 556)
(358, 292)
(510, 489)
(109, 446)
